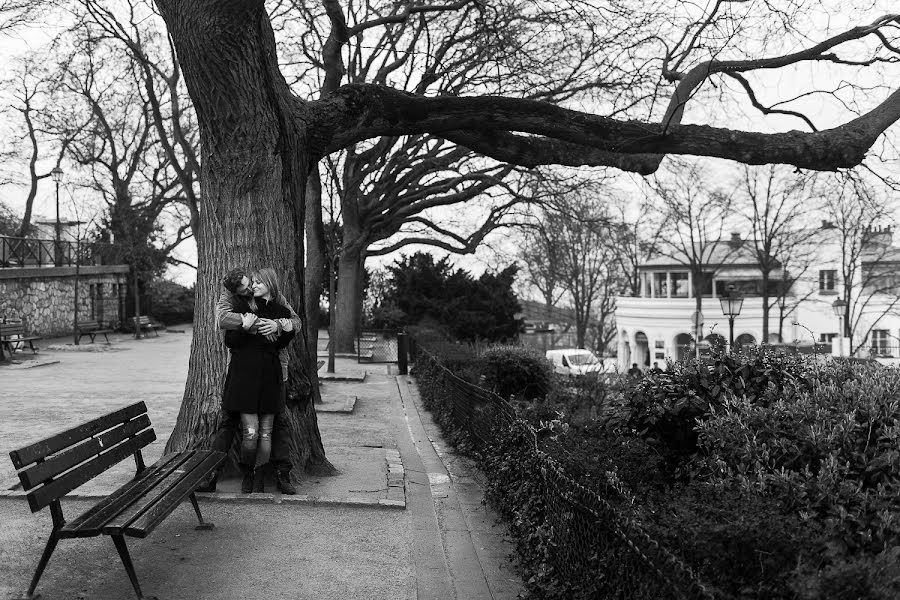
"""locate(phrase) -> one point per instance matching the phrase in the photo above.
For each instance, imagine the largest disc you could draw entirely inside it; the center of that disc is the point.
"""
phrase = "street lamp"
(839, 307)
(732, 302)
(57, 174)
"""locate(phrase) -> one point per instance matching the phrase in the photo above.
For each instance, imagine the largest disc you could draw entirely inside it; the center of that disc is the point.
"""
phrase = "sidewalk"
(403, 519)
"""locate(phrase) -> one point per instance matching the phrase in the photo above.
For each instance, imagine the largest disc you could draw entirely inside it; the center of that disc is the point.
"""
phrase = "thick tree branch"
(361, 111)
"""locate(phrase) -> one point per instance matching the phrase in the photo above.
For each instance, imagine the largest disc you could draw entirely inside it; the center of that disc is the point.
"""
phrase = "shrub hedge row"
(771, 476)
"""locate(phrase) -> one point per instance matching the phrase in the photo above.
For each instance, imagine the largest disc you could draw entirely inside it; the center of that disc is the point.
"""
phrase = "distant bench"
(144, 323)
(14, 333)
(53, 467)
(91, 329)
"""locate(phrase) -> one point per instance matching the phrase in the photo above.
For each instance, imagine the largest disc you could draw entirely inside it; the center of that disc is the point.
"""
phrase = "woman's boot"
(249, 474)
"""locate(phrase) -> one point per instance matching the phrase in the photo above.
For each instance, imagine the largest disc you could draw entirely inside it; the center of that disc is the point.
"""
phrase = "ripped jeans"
(256, 447)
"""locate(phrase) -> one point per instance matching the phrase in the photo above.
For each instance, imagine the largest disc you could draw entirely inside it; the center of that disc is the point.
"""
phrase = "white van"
(576, 361)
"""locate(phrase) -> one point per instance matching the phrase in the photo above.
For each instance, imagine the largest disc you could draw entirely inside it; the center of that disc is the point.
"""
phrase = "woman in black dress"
(253, 385)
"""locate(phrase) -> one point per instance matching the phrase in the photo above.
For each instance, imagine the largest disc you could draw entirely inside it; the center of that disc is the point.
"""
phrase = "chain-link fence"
(376, 346)
(593, 545)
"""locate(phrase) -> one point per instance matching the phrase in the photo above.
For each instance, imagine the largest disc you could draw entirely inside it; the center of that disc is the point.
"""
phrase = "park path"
(356, 535)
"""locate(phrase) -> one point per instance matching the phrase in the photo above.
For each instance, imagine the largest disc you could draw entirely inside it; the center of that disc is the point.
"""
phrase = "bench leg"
(119, 541)
(42, 564)
(203, 524)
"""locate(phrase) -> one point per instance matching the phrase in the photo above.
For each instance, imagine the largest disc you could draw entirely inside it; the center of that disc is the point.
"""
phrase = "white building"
(659, 325)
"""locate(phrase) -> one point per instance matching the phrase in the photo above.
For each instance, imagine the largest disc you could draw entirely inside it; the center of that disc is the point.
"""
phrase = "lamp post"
(57, 175)
(839, 307)
(732, 302)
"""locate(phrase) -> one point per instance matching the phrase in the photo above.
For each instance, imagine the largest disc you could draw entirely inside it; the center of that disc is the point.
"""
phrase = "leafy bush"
(516, 371)
(664, 407)
(172, 303)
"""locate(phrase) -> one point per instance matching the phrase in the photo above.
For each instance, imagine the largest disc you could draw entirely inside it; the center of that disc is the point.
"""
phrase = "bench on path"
(14, 334)
(53, 467)
(143, 322)
(91, 329)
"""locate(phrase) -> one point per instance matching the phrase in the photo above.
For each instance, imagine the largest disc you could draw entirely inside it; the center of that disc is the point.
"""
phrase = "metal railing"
(17, 252)
(594, 544)
(376, 346)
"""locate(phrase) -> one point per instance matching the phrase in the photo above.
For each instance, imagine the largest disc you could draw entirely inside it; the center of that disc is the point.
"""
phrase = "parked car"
(577, 361)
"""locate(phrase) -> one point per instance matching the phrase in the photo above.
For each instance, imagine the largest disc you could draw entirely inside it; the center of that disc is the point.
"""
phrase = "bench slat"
(89, 523)
(152, 496)
(38, 450)
(59, 463)
(147, 522)
(54, 490)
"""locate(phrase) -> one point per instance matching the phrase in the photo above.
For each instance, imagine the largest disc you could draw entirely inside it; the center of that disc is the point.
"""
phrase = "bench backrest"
(87, 325)
(143, 320)
(10, 329)
(53, 467)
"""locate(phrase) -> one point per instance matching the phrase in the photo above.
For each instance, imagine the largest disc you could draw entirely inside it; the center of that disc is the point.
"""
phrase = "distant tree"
(465, 307)
(573, 246)
(695, 218)
(871, 289)
(9, 222)
(776, 204)
(484, 308)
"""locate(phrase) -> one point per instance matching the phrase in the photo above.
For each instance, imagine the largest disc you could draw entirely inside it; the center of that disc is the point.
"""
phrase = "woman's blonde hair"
(267, 276)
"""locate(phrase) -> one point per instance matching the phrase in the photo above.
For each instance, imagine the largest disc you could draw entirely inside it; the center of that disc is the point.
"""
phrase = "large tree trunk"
(348, 304)
(315, 264)
(254, 169)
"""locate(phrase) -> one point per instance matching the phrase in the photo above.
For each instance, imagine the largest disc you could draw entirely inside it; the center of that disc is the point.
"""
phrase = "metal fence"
(30, 252)
(376, 346)
(593, 543)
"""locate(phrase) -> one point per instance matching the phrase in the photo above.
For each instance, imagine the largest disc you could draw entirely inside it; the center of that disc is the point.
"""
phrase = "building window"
(826, 338)
(680, 285)
(661, 285)
(880, 345)
(826, 280)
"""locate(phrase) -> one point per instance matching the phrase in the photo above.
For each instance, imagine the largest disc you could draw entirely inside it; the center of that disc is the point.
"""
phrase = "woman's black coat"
(254, 380)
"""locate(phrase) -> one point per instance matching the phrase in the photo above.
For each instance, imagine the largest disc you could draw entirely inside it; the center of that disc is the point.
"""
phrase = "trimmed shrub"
(172, 303)
(516, 371)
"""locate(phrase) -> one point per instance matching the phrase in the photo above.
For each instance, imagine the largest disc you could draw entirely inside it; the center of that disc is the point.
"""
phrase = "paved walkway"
(404, 519)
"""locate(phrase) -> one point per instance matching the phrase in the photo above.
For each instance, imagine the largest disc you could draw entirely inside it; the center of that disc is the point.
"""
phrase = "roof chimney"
(827, 224)
(735, 241)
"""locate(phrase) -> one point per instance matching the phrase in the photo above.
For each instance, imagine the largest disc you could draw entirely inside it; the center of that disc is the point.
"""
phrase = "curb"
(343, 408)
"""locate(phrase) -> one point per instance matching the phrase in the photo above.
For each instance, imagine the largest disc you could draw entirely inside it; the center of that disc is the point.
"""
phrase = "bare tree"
(259, 140)
(696, 218)
(573, 248)
(860, 221)
(775, 204)
(393, 191)
(33, 91)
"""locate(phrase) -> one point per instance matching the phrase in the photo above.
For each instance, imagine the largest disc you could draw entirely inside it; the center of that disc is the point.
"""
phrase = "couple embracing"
(259, 323)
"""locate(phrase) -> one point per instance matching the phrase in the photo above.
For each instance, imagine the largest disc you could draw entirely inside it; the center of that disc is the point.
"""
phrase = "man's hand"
(268, 327)
(247, 320)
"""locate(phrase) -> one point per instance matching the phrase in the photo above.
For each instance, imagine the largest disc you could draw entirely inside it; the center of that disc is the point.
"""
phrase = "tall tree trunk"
(348, 302)
(315, 264)
(765, 309)
(254, 171)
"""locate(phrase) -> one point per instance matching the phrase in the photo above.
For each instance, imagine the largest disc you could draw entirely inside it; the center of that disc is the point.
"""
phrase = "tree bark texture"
(254, 169)
(348, 304)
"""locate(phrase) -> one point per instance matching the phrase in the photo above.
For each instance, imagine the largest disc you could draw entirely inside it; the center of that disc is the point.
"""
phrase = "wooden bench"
(91, 329)
(55, 466)
(14, 334)
(143, 322)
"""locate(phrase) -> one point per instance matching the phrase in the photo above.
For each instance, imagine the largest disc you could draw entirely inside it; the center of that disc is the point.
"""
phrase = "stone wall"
(44, 298)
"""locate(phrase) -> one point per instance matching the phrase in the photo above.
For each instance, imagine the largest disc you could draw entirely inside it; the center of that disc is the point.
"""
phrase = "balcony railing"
(16, 252)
